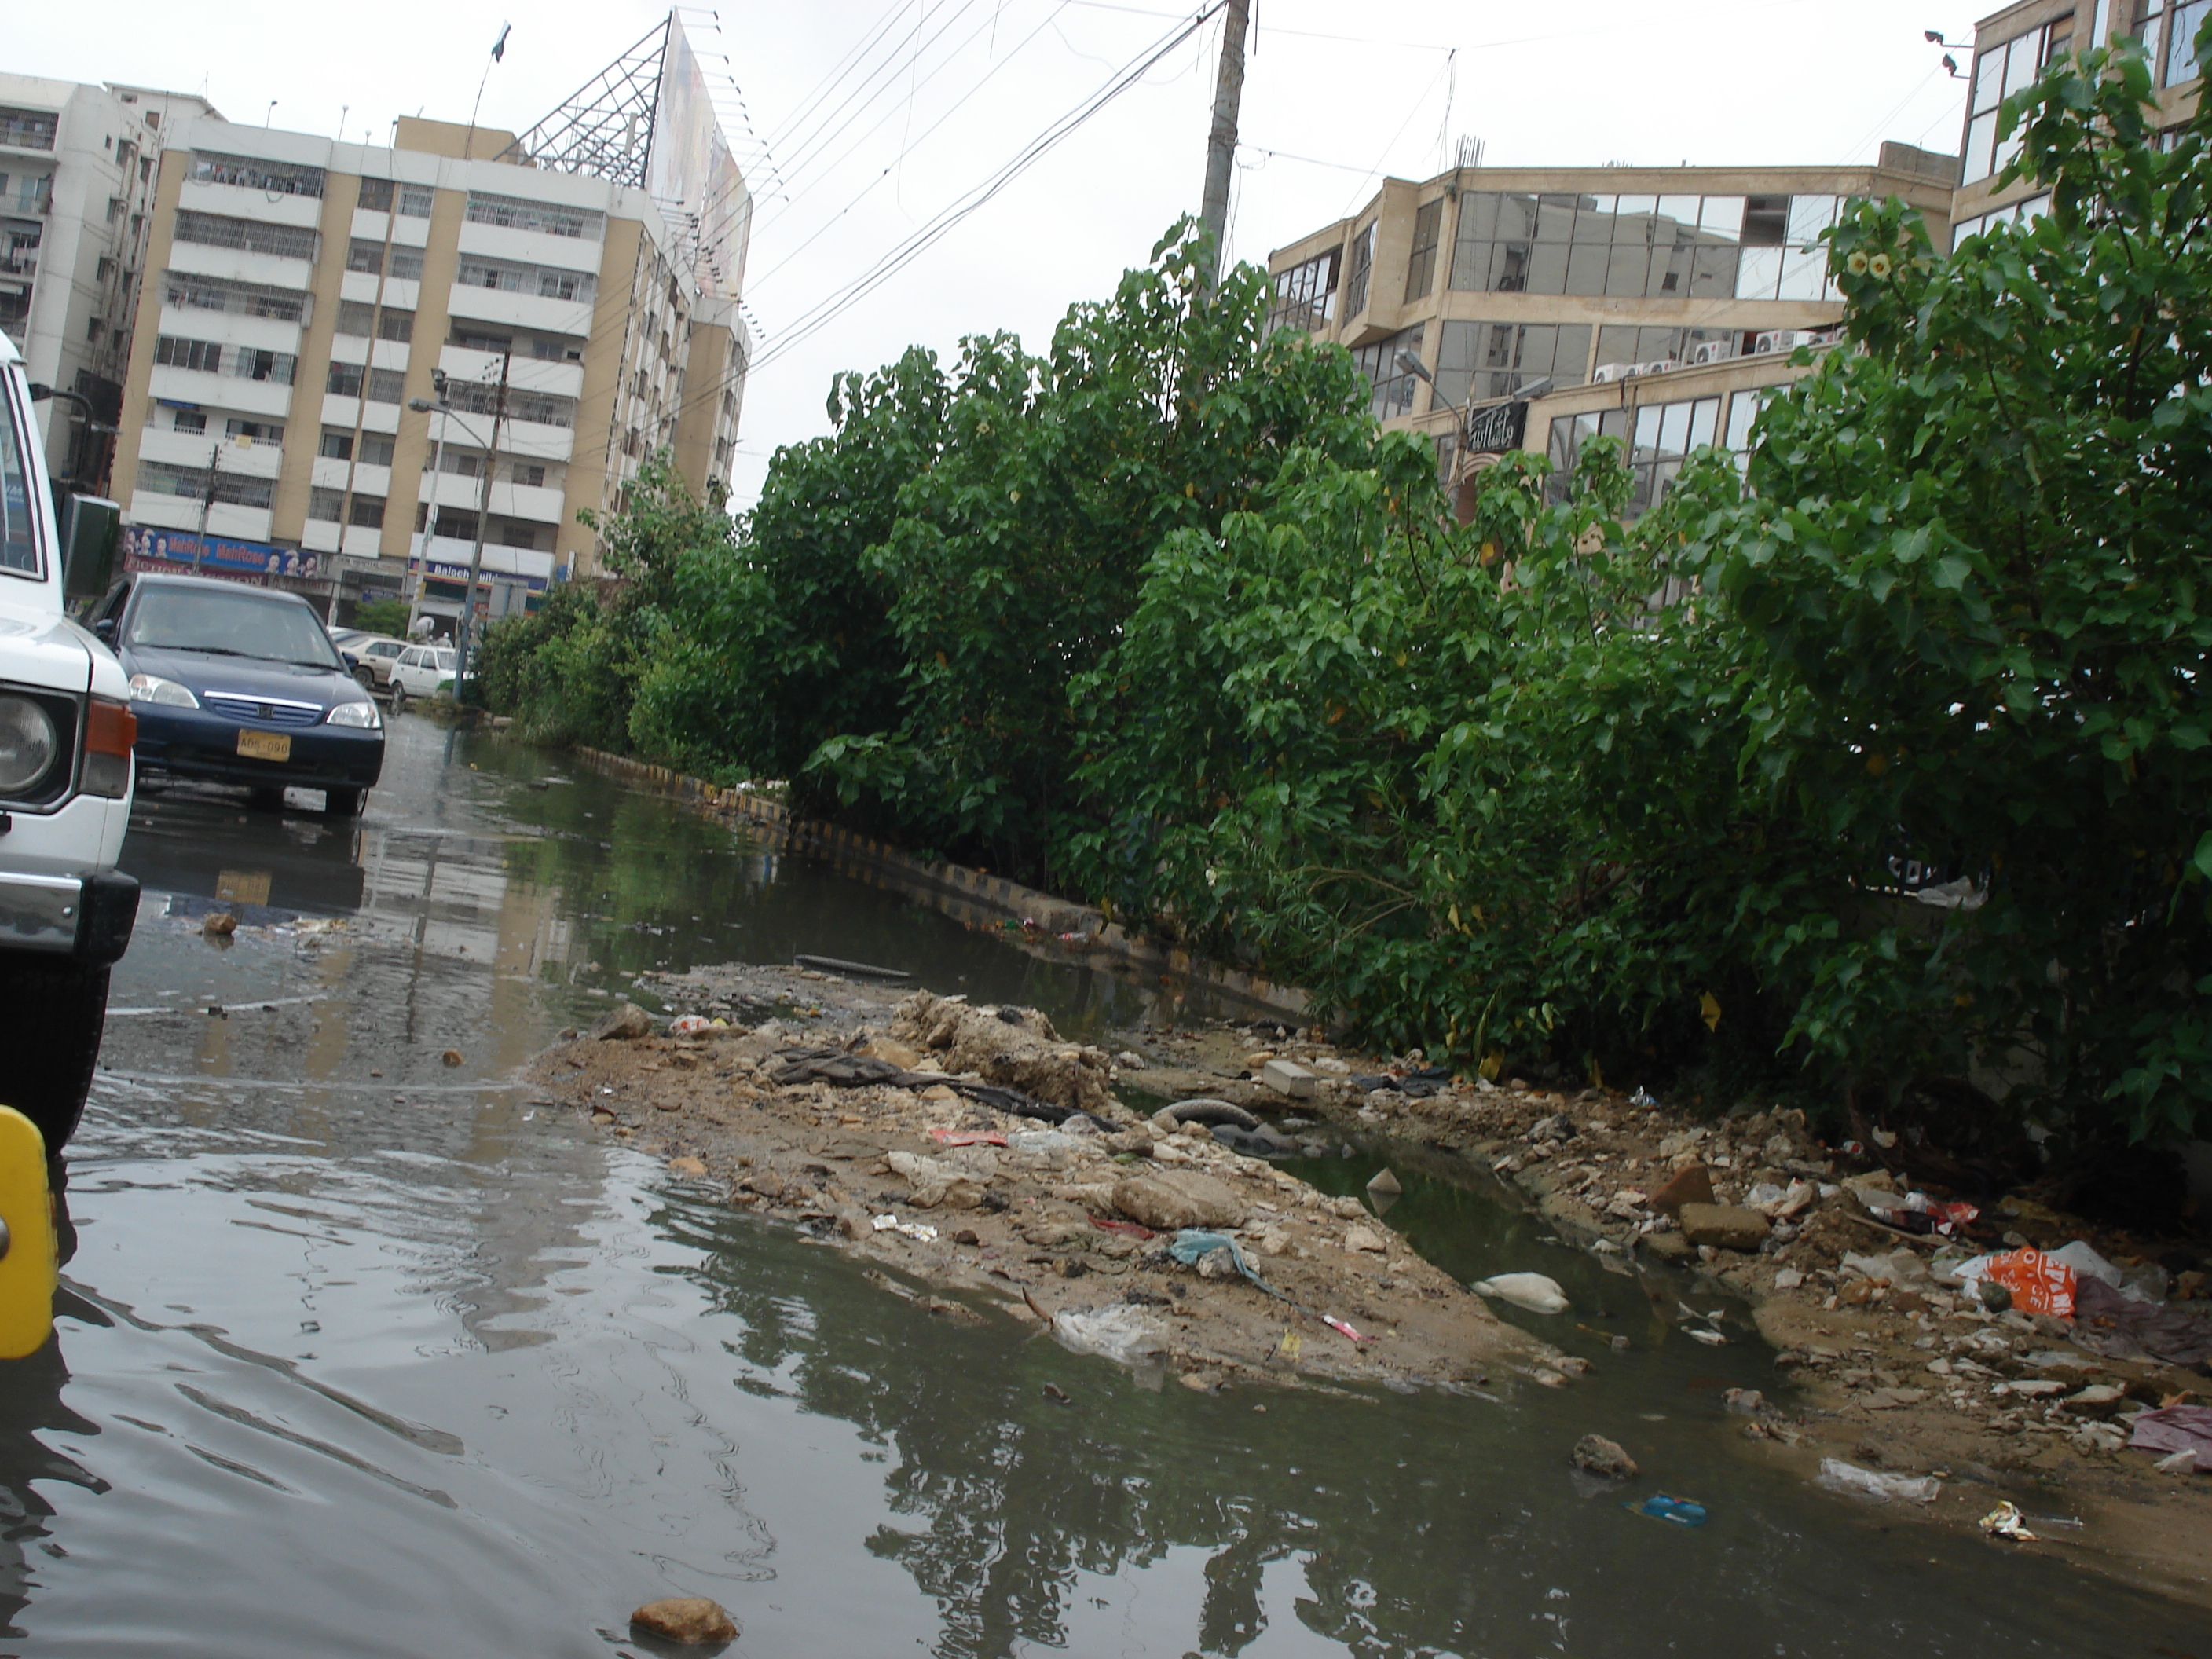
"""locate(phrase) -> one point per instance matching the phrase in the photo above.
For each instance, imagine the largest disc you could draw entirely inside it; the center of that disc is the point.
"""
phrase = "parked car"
(242, 685)
(66, 732)
(420, 670)
(374, 656)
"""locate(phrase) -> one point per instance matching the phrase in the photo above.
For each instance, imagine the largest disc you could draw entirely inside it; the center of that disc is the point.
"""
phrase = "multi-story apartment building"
(76, 182)
(1657, 303)
(1661, 305)
(2012, 45)
(354, 364)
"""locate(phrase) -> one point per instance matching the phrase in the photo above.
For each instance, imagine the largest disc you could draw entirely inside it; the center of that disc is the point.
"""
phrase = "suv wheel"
(55, 1011)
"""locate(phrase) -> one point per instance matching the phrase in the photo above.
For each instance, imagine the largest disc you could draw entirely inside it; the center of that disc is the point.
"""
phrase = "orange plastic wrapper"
(2038, 1283)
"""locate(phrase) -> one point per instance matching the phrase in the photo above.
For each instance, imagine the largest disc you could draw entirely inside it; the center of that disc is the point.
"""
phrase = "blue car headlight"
(353, 713)
(152, 688)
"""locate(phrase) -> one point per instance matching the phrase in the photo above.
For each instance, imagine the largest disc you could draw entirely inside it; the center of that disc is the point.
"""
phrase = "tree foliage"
(1162, 618)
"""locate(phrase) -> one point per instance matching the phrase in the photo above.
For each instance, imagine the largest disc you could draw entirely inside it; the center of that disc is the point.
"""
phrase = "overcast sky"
(879, 114)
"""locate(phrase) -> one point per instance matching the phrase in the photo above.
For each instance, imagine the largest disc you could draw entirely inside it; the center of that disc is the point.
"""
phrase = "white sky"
(952, 89)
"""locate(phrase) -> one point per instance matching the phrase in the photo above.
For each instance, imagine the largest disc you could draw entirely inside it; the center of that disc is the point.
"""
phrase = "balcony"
(530, 311)
(508, 501)
(194, 449)
(370, 226)
(231, 329)
(238, 264)
(563, 379)
(524, 440)
(230, 392)
(348, 412)
(399, 294)
(242, 202)
(532, 247)
(244, 524)
(376, 354)
(321, 536)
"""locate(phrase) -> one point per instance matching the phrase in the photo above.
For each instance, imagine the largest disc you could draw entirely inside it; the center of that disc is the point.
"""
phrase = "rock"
(1386, 1184)
(1744, 1402)
(691, 1620)
(1788, 1279)
(2098, 1400)
(1558, 1127)
(686, 1166)
(218, 925)
(1601, 1456)
(1167, 1200)
(1723, 1226)
(1363, 1238)
(897, 1053)
(623, 1023)
(1288, 1077)
(451, 1057)
(1692, 1186)
(1995, 1297)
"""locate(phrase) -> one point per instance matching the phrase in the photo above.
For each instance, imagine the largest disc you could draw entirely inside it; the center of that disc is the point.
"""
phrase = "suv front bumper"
(85, 916)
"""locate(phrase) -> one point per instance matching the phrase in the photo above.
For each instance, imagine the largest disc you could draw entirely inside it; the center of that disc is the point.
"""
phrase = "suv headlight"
(151, 688)
(353, 713)
(28, 743)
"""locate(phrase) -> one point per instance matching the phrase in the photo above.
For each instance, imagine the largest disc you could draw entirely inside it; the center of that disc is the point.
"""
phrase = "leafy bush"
(381, 617)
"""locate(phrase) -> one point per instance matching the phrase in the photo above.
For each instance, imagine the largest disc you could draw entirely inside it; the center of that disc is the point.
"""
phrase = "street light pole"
(467, 630)
(207, 500)
(421, 561)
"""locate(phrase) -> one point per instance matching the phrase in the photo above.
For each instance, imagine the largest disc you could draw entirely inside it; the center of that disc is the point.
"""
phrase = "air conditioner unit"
(1784, 339)
(1658, 366)
(1605, 371)
(1712, 351)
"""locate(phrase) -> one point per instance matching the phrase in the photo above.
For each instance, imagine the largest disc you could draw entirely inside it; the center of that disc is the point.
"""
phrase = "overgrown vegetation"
(1161, 618)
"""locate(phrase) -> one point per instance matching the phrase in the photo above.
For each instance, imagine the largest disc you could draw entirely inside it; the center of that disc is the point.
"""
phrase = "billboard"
(691, 173)
(149, 548)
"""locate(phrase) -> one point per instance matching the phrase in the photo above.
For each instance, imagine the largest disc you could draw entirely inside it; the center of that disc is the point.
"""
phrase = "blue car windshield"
(243, 624)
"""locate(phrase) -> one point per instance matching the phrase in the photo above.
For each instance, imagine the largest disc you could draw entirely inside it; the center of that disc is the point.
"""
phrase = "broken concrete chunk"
(1723, 1226)
(693, 1620)
(1692, 1186)
(1287, 1077)
(623, 1023)
(1169, 1200)
(1598, 1456)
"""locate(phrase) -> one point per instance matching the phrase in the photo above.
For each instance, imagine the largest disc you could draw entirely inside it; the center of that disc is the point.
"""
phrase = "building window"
(204, 355)
(456, 524)
(217, 230)
(406, 264)
(531, 475)
(2021, 212)
(512, 215)
(353, 318)
(475, 339)
(1363, 267)
(1659, 438)
(1643, 246)
(541, 409)
(2005, 69)
(1394, 386)
(28, 128)
(249, 363)
(385, 385)
(187, 420)
(375, 195)
(398, 326)
(344, 380)
(273, 178)
(1421, 264)
(366, 256)
(415, 201)
(196, 292)
(375, 449)
(546, 284)
(1621, 345)
(366, 512)
(270, 433)
(230, 489)
(91, 330)
(337, 445)
(325, 504)
(1480, 361)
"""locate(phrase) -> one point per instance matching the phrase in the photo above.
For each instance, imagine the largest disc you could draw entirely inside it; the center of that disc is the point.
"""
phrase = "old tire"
(343, 802)
(54, 1013)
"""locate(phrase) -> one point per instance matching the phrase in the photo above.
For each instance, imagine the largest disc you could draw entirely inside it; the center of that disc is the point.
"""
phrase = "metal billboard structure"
(647, 121)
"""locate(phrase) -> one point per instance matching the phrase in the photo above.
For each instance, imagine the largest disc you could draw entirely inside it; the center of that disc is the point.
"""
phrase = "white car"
(66, 776)
(420, 670)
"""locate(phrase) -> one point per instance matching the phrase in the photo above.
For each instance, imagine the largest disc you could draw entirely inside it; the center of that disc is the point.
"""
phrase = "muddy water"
(362, 1353)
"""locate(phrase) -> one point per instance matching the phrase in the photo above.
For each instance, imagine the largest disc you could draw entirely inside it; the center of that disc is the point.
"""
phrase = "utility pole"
(1221, 141)
(207, 500)
(464, 633)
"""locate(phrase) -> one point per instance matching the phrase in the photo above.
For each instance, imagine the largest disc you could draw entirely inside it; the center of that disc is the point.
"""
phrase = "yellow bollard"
(27, 1249)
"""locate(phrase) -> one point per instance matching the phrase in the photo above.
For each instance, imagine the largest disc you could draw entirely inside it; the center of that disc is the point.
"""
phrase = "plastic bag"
(1117, 1332)
(1839, 1476)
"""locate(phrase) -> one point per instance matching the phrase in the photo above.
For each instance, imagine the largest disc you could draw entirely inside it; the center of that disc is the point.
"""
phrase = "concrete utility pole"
(207, 503)
(1221, 141)
(464, 635)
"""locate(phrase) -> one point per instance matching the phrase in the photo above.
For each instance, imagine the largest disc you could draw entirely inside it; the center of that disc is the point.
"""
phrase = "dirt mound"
(1013, 1047)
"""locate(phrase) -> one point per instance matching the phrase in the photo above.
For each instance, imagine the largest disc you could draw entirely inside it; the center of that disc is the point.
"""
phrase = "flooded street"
(359, 1351)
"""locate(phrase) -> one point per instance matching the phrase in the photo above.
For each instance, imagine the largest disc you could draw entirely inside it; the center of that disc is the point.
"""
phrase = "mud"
(835, 1105)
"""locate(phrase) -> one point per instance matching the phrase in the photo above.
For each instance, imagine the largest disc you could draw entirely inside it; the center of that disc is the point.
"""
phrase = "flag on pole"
(499, 47)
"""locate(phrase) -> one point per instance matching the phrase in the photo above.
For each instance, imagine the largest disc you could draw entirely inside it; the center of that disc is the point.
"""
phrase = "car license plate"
(265, 746)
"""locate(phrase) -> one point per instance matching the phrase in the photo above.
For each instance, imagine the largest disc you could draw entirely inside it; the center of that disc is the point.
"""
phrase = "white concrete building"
(303, 293)
(78, 165)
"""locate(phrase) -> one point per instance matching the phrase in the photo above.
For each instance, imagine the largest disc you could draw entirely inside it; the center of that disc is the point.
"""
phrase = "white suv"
(66, 732)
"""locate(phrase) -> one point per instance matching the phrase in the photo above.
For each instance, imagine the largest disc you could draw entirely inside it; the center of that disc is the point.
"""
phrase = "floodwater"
(403, 1364)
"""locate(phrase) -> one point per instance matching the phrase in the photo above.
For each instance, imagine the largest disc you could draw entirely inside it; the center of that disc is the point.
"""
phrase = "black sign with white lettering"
(1496, 428)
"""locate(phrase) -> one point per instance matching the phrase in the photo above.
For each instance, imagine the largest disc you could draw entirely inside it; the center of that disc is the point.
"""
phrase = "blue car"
(242, 685)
